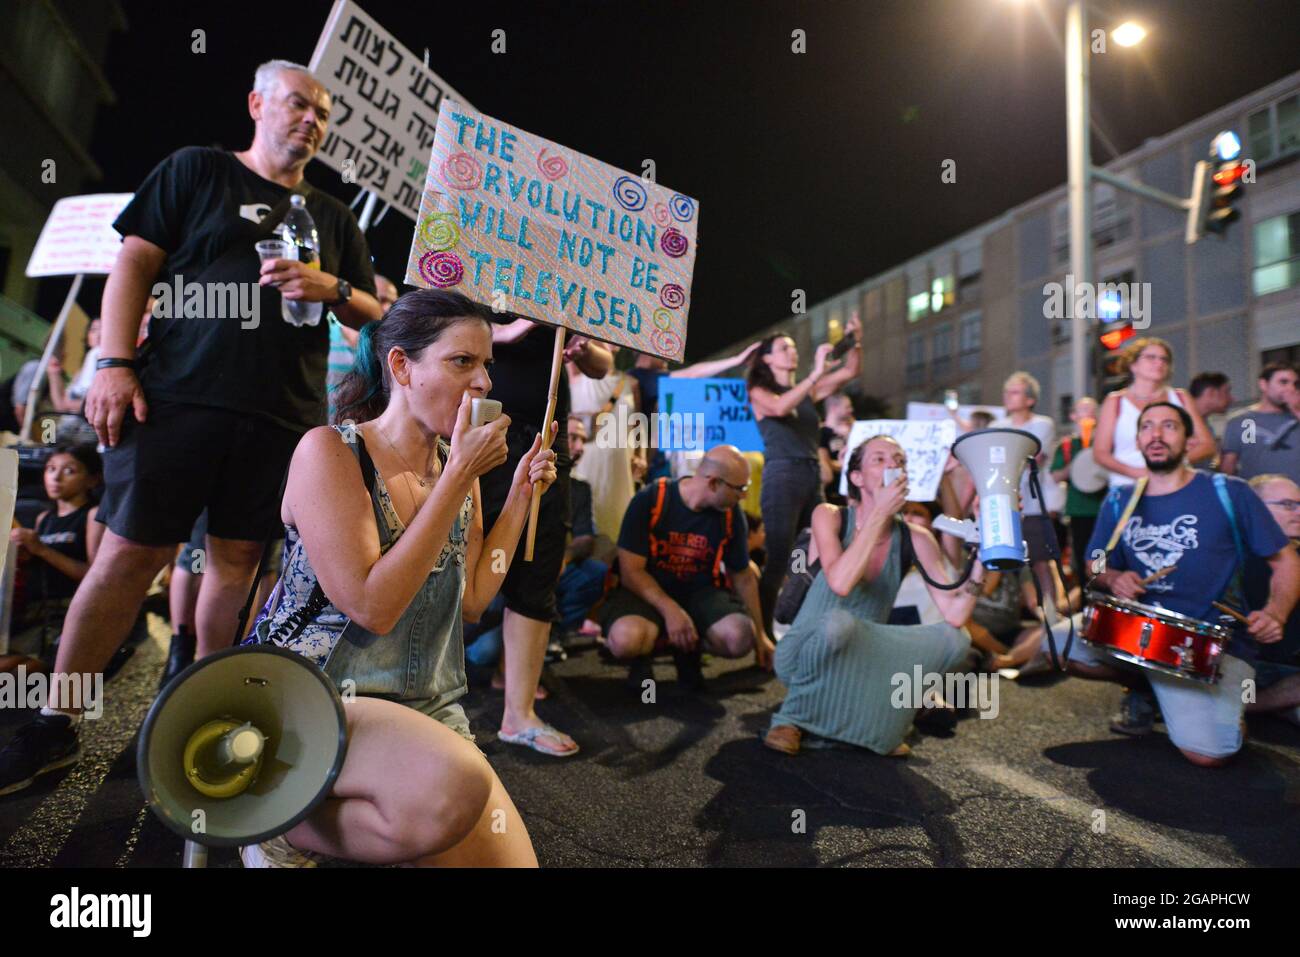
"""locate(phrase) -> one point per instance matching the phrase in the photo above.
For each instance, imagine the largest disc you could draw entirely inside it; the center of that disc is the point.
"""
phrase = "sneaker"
(555, 652)
(639, 671)
(1137, 714)
(689, 672)
(46, 743)
(278, 852)
(179, 657)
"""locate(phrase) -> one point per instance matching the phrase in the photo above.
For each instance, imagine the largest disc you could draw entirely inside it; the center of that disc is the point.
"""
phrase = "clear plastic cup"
(272, 249)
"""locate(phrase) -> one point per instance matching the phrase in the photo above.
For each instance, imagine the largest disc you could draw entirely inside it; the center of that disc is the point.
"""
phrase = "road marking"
(1118, 825)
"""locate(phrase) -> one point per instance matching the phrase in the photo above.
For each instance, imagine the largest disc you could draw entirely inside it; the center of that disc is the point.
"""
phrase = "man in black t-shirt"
(209, 413)
(686, 581)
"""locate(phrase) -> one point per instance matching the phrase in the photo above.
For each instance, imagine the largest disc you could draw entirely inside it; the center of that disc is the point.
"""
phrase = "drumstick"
(1231, 611)
(1160, 574)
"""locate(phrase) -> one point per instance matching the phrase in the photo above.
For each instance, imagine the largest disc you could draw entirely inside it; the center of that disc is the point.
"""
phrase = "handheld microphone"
(483, 411)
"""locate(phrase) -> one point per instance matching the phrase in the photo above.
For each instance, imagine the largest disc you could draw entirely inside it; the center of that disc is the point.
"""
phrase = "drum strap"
(1237, 586)
(1139, 487)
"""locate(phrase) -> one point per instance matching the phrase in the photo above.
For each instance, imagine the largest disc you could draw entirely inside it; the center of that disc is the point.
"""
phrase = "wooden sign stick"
(557, 369)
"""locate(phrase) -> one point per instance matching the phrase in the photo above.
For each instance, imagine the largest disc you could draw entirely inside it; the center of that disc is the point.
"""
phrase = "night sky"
(812, 171)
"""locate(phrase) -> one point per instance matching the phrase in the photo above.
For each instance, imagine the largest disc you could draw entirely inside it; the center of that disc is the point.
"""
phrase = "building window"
(941, 360)
(969, 342)
(1288, 354)
(968, 289)
(915, 359)
(1274, 131)
(918, 306)
(941, 293)
(1277, 254)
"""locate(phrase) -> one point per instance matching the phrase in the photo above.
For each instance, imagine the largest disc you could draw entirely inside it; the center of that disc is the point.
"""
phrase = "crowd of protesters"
(340, 461)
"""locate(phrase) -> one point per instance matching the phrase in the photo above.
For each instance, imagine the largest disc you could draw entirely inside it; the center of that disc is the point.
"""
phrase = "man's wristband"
(114, 363)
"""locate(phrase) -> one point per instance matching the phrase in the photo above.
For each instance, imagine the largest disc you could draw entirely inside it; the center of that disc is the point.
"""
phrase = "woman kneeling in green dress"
(840, 661)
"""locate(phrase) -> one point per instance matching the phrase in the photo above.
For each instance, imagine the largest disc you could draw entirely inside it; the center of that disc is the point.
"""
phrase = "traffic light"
(1107, 350)
(1216, 188)
(1224, 195)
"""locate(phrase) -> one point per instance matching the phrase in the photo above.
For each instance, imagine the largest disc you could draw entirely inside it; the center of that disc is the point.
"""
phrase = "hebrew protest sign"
(79, 237)
(702, 413)
(926, 442)
(535, 228)
(385, 107)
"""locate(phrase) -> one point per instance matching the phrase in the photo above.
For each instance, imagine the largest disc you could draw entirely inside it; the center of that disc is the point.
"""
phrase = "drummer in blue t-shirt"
(1184, 522)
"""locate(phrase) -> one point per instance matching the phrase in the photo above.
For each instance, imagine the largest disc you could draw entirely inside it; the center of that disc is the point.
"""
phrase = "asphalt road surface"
(685, 781)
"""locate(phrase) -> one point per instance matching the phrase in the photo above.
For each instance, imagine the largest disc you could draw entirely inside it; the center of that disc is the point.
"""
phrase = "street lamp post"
(1080, 164)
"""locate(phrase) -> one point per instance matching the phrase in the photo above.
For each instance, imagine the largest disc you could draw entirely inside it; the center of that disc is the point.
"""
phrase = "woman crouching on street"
(840, 661)
(385, 553)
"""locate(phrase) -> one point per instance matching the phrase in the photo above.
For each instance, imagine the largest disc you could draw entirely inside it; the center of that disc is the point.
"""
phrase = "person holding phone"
(787, 419)
(386, 554)
(839, 658)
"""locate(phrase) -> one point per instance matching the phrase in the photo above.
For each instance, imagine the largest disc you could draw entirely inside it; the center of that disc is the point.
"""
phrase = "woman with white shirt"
(1150, 362)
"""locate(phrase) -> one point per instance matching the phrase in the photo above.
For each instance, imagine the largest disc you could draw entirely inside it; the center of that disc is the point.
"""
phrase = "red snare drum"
(1154, 638)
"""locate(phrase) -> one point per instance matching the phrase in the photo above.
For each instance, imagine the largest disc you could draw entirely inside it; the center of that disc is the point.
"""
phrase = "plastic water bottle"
(299, 232)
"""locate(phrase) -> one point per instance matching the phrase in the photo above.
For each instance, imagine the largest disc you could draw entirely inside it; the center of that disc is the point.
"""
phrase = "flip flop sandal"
(528, 739)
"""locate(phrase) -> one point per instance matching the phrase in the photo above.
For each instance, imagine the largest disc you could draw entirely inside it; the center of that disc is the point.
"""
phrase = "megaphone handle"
(196, 855)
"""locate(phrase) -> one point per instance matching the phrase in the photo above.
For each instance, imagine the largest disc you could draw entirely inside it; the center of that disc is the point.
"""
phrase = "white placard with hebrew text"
(926, 442)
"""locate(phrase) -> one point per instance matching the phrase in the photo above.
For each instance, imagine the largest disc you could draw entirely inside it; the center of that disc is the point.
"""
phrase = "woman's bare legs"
(499, 839)
(409, 788)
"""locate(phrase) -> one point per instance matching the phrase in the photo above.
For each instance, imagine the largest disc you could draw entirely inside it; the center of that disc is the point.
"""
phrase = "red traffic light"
(1229, 173)
(1114, 338)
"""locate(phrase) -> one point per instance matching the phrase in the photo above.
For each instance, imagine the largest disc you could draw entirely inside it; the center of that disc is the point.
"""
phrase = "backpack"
(795, 587)
(659, 546)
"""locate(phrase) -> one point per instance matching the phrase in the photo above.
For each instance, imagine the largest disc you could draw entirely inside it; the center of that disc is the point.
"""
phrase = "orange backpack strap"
(657, 510)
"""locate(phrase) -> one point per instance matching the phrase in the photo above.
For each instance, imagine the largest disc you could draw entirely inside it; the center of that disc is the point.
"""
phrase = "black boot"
(179, 658)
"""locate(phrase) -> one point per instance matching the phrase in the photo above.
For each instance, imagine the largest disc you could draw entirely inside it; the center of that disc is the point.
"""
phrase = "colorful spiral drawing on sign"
(553, 167)
(672, 295)
(673, 243)
(663, 319)
(629, 193)
(439, 231)
(666, 342)
(442, 269)
(461, 171)
(661, 214)
(683, 207)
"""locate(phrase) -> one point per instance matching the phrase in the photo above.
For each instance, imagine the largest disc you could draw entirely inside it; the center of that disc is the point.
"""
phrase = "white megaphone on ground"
(995, 459)
(241, 747)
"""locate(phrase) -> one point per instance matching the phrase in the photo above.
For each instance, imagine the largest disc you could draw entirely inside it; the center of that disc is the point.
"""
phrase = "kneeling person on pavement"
(686, 581)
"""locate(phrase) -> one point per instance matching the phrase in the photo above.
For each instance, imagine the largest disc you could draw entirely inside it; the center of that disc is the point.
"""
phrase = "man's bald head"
(726, 462)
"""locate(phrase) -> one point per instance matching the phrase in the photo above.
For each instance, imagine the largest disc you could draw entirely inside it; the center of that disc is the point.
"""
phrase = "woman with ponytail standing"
(386, 552)
(791, 430)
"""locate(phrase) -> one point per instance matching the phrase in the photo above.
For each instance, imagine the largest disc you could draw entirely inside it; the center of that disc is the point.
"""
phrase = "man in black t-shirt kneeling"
(686, 581)
(209, 413)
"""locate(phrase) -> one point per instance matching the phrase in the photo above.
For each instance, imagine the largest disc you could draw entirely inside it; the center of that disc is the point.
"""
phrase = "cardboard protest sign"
(79, 237)
(926, 443)
(935, 411)
(532, 227)
(385, 106)
(702, 413)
